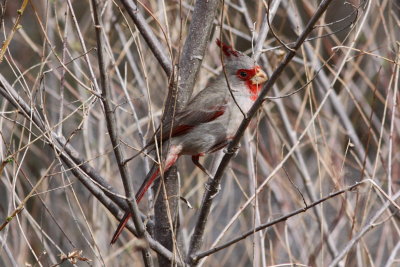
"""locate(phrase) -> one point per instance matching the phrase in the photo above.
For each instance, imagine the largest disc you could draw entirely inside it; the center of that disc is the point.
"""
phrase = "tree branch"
(180, 90)
(206, 253)
(113, 131)
(195, 46)
(86, 174)
(148, 35)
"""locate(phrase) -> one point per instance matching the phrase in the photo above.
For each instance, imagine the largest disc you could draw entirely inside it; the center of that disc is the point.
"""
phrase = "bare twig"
(189, 66)
(113, 132)
(87, 175)
(148, 35)
(14, 29)
(369, 226)
(275, 221)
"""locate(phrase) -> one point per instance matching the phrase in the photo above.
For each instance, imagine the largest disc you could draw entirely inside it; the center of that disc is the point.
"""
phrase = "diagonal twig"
(86, 174)
(113, 131)
(148, 35)
(278, 220)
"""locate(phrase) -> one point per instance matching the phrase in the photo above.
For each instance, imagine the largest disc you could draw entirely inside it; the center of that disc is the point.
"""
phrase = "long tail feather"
(153, 174)
(120, 227)
(147, 183)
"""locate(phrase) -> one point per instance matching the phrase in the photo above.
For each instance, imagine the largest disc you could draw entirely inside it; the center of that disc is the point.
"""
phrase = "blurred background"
(331, 120)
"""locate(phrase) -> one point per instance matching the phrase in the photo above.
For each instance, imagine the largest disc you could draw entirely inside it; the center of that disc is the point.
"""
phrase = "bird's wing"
(195, 113)
(186, 120)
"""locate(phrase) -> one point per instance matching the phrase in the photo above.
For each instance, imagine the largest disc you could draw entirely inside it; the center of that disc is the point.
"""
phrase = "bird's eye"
(243, 74)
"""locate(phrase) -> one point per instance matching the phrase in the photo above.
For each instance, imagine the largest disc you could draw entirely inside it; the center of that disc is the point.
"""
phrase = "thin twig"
(86, 174)
(369, 226)
(273, 222)
(113, 131)
(148, 35)
(14, 29)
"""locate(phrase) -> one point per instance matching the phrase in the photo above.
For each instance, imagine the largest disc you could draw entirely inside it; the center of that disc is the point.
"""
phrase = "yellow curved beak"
(260, 77)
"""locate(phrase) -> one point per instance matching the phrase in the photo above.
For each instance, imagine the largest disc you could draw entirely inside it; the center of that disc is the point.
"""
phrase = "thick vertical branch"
(213, 184)
(195, 46)
(166, 213)
(181, 89)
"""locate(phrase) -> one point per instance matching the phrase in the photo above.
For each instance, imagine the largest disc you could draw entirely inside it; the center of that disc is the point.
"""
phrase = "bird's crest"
(227, 49)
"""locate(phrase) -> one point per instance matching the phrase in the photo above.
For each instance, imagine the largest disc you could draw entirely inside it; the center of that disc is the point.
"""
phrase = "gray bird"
(208, 121)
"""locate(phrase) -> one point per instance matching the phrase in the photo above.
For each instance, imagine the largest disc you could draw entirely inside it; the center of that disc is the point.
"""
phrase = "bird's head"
(242, 71)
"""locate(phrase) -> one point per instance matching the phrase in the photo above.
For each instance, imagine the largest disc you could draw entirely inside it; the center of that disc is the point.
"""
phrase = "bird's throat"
(254, 89)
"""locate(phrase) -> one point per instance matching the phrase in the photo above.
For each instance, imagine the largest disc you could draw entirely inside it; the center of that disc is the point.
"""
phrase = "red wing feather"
(217, 114)
(186, 121)
(181, 129)
(193, 119)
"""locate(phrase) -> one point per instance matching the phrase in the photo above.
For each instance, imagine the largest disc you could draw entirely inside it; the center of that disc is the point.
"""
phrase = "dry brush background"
(331, 122)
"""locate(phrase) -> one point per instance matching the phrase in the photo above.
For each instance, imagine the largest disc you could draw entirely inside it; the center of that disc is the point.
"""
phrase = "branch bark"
(195, 46)
(181, 89)
(273, 222)
(113, 131)
(148, 35)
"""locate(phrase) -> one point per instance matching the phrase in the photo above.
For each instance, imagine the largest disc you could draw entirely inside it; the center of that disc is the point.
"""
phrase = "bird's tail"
(153, 174)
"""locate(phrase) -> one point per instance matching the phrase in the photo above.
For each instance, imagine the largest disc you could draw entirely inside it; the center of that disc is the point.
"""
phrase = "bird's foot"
(207, 187)
(234, 150)
(196, 162)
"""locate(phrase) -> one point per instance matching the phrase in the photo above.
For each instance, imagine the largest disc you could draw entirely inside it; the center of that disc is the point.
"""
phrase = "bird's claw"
(209, 175)
(207, 187)
(233, 151)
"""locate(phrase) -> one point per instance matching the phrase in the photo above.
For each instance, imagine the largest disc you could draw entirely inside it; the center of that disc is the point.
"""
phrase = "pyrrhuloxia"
(209, 120)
